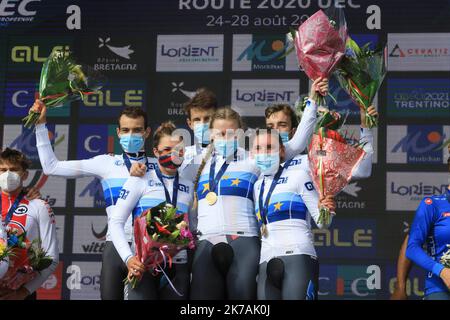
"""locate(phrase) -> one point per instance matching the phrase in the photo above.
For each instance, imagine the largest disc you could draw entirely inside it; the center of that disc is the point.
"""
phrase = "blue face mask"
(284, 137)
(132, 142)
(225, 147)
(201, 132)
(268, 163)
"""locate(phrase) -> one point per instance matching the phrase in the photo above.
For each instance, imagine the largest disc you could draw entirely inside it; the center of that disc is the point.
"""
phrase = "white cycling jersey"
(36, 219)
(110, 169)
(290, 208)
(233, 213)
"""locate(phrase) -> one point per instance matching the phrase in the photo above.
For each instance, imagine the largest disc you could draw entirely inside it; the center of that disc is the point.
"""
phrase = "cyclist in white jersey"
(285, 201)
(226, 260)
(113, 171)
(161, 183)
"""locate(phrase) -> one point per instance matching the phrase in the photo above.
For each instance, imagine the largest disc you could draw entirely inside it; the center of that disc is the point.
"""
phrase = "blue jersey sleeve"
(420, 230)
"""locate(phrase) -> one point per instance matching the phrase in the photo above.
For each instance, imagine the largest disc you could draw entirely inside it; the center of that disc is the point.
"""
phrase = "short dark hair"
(203, 99)
(15, 156)
(286, 109)
(134, 113)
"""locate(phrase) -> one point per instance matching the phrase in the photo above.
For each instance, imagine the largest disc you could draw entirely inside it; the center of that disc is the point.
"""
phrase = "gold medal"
(264, 232)
(211, 198)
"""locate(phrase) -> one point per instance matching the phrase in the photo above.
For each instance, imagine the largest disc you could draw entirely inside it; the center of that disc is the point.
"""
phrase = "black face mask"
(167, 161)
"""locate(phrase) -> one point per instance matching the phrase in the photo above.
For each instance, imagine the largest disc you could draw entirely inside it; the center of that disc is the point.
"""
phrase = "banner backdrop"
(157, 53)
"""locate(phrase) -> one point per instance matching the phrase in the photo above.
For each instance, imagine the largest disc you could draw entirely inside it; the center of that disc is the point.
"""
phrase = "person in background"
(199, 110)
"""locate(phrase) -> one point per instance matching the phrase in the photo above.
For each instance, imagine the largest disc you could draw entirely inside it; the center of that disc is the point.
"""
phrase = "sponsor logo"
(99, 235)
(21, 210)
(347, 238)
(84, 280)
(17, 12)
(405, 190)
(20, 54)
(419, 51)
(415, 283)
(51, 289)
(90, 235)
(189, 53)
(89, 193)
(52, 189)
(428, 201)
(19, 96)
(417, 144)
(179, 96)
(114, 97)
(262, 53)
(252, 97)
(60, 232)
(114, 58)
(23, 139)
(95, 140)
(338, 282)
(445, 214)
(174, 92)
(418, 97)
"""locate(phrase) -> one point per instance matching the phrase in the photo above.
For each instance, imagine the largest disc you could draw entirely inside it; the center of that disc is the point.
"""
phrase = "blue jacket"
(431, 225)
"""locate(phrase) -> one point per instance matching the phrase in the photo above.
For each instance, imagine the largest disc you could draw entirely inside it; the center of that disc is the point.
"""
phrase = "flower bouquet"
(63, 80)
(320, 44)
(360, 73)
(27, 259)
(159, 234)
(332, 160)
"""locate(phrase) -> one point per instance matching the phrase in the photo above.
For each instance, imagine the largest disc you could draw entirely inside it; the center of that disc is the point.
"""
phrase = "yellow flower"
(2, 247)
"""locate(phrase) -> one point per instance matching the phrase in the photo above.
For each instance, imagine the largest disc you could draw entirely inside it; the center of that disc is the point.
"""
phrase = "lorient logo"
(189, 53)
(251, 97)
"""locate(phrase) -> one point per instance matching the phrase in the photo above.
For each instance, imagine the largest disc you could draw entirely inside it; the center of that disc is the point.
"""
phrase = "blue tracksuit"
(431, 225)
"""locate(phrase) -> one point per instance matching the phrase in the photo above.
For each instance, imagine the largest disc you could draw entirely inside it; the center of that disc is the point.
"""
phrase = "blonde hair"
(222, 113)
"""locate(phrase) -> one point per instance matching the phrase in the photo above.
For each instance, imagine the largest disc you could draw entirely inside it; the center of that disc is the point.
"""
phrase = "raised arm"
(364, 169)
(305, 129)
(69, 169)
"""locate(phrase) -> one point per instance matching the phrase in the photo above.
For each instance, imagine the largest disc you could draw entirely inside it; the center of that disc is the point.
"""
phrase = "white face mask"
(10, 181)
